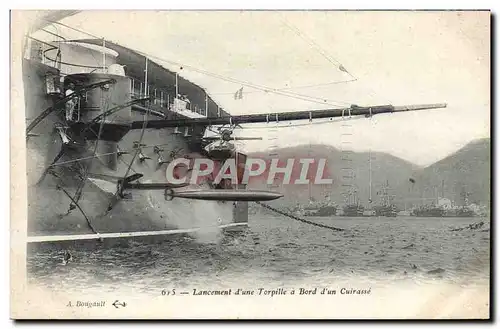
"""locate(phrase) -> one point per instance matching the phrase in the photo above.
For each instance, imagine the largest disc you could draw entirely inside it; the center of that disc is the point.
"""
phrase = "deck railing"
(164, 99)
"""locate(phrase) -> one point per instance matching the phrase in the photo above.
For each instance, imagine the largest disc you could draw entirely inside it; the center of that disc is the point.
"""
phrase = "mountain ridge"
(410, 183)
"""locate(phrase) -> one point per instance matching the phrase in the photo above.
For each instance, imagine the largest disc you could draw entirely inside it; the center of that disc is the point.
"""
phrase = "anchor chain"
(298, 218)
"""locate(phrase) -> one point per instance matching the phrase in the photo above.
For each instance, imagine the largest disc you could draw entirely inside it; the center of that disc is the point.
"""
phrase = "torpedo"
(223, 195)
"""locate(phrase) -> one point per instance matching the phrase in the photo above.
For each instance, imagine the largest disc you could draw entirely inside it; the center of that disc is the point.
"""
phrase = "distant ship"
(428, 211)
(353, 208)
(439, 211)
(325, 208)
(315, 208)
(386, 208)
(443, 207)
(321, 210)
(460, 212)
(464, 210)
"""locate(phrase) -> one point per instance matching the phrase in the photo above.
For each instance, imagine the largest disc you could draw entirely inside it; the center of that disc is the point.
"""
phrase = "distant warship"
(386, 208)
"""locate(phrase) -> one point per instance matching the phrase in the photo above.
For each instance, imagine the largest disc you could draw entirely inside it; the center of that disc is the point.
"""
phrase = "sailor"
(188, 102)
(71, 103)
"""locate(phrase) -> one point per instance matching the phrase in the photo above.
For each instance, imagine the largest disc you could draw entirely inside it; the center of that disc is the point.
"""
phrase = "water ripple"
(275, 250)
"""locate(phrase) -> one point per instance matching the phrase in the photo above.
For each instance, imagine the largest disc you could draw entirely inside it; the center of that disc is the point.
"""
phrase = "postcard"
(250, 164)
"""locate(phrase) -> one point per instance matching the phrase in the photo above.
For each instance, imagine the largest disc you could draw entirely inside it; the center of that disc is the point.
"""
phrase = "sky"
(392, 57)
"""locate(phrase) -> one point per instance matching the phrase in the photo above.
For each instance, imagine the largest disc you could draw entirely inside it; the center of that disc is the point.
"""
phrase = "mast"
(146, 79)
(370, 174)
(104, 56)
(235, 159)
(176, 85)
(310, 182)
(206, 104)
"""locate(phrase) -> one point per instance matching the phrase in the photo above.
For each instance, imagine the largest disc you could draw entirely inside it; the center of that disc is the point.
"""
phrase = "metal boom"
(285, 116)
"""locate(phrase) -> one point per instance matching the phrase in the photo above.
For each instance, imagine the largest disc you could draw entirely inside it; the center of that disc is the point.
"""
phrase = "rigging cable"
(79, 208)
(325, 54)
(95, 120)
(62, 101)
(165, 144)
(138, 149)
(291, 88)
(59, 187)
(104, 154)
(333, 228)
(280, 89)
(104, 105)
(308, 98)
(320, 50)
(73, 28)
(146, 119)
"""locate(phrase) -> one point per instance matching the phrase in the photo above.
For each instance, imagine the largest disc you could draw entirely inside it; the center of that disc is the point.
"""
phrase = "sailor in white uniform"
(71, 103)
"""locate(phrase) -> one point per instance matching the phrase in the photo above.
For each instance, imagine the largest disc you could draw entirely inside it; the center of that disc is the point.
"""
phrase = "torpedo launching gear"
(161, 160)
(143, 157)
(122, 185)
(221, 146)
(118, 185)
(119, 152)
(65, 139)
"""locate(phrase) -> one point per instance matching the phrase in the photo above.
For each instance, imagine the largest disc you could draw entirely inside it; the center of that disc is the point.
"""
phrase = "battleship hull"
(386, 211)
(353, 211)
(324, 211)
(61, 200)
(429, 212)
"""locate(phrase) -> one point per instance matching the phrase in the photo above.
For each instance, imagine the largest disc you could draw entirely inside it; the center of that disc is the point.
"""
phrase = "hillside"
(385, 167)
(466, 170)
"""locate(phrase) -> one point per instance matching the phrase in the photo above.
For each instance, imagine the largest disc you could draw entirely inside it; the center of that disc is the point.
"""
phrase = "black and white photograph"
(244, 164)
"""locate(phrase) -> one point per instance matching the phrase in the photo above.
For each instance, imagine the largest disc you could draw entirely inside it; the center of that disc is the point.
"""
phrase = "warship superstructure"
(64, 152)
